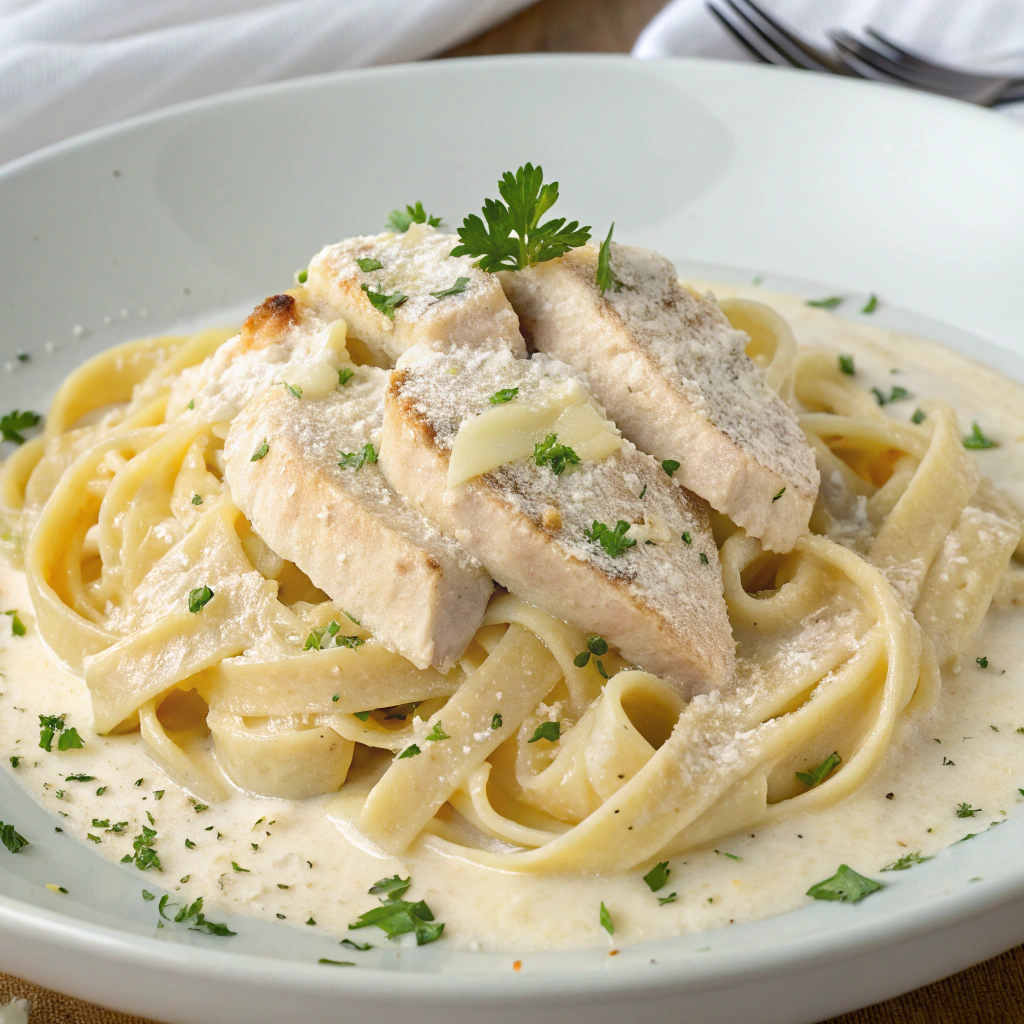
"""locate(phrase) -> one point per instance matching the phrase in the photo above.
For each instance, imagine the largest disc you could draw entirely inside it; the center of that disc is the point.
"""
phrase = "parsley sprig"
(976, 439)
(817, 775)
(401, 220)
(614, 541)
(396, 916)
(606, 279)
(514, 237)
(13, 423)
(67, 736)
(551, 453)
(356, 460)
(382, 302)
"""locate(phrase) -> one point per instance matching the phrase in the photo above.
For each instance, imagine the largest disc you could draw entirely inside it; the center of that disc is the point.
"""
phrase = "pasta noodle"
(122, 516)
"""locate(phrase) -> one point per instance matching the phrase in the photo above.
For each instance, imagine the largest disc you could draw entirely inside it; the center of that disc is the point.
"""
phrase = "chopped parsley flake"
(382, 302)
(658, 876)
(549, 731)
(261, 449)
(846, 365)
(394, 887)
(17, 626)
(437, 734)
(400, 221)
(905, 862)
(670, 466)
(704, 559)
(189, 845)
(982, 662)
(504, 396)
(236, 867)
(779, 495)
(410, 751)
(336, 963)
(871, 305)
(919, 416)
(145, 857)
(301, 276)
(367, 264)
(345, 374)
(820, 772)
(363, 716)
(605, 278)
(830, 303)
(846, 885)
(670, 898)
(606, 920)
(79, 777)
(976, 439)
(351, 642)
(314, 642)
(199, 598)
(294, 390)
(527, 199)
(12, 838)
(15, 760)
(894, 395)
(496, 721)
(197, 499)
(147, 895)
(356, 460)
(554, 455)
(965, 810)
(95, 839)
(362, 947)
(67, 736)
(687, 539)
(615, 542)
(13, 423)
(456, 289)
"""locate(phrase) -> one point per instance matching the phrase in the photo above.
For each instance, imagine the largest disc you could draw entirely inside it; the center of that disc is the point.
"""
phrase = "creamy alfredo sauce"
(298, 868)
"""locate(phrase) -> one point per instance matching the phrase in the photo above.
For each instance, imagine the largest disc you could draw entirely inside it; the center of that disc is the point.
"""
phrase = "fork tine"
(910, 59)
(756, 45)
(863, 69)
(787, 41)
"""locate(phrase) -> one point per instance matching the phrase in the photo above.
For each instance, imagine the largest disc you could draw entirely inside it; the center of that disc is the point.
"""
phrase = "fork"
(772, 42)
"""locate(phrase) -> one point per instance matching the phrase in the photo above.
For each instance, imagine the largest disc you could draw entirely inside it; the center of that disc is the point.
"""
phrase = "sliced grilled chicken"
(539, 532)
(304, 472)
(442, 300)
(673, 374)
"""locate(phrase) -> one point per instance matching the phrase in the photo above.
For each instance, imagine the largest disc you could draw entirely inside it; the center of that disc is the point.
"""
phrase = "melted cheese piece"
(508, 433)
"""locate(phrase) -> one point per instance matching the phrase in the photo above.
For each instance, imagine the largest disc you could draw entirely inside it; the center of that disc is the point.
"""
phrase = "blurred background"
(67, 66)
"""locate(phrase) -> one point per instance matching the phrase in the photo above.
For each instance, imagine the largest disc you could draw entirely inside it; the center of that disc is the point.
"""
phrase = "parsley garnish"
(976, 439)
(394, 887)
(670, 466)
(236, 867)
(95, 839)
(965, 810)
(496, 721)
(410, 751)
(293, 389)
(12, 838)
(351, 642)
(918, 417)
(779, 495)
(504, 396)
(345, 374)
(302, 276)
(687, 539)
(314, 642)
(606, 278)
(15, 760)
(818, 774)
(606, 920)
(363, 716)
(830, 303)
(199, 598)
(846, 365)
(982, 662)
(356, 460)
(79, 777)
(615, 542)
(846, 885)
(367, 264)
(554, 455)
(336, 963)
(456, 289)
(905, 862)
(50, 726)
(197, 499)
(871, 305)
(189, 845)
(401, 220)
(17, 626)
(894, 395)
(549, 731)
(703, 559)
(362, 947)
(147, 895)
(382, 302)
(145, 857)
(657, 876)
(261, 449)
(670, 898)
(14, 422)
(596, 645)
(527, 199)
(437, 734)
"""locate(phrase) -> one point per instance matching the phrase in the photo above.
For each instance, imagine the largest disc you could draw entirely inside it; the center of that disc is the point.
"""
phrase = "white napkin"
(985, 35)
(70, 65)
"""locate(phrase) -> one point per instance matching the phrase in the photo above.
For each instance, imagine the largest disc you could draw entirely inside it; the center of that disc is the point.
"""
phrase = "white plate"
(820, 183)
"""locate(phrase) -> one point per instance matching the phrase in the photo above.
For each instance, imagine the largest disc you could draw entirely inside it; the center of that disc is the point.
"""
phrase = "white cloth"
(984, 35)
(70, 65)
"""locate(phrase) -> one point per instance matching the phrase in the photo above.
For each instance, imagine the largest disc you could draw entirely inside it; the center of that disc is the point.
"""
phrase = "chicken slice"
(414, 264)
(416, 590)
(659, 601)
(673, 374)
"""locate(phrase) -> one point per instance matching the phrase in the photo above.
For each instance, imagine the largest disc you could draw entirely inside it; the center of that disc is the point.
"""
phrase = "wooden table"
(991, 993)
